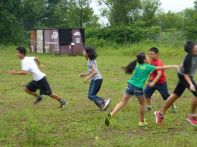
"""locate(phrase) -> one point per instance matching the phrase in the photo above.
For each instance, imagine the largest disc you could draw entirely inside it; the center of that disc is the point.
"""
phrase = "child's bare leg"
(148, 101)
(121, 104)
(142, 104)
(56, 97)
(194, 105)
(31, 93)
(170, 101)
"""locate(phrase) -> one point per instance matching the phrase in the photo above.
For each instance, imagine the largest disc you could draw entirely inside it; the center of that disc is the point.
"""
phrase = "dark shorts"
(42, 85)
(182, 85)
(133, 90)
(162, 88)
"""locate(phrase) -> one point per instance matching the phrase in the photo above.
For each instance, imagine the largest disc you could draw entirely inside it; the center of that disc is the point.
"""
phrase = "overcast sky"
(166, 5)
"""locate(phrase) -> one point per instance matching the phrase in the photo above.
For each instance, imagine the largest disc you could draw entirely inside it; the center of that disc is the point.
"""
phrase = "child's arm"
(84, 75)
(191, 85)
(167, 67)
(152, 83)
(91, 74)
(20, 72)
(38, 62)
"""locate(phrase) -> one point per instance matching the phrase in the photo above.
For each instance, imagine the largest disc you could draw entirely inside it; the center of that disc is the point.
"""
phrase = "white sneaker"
(106, 104)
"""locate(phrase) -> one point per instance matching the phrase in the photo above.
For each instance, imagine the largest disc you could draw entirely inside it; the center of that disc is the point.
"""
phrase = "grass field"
(81, 123)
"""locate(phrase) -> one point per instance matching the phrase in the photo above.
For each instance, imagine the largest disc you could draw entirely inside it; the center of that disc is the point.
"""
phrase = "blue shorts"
(133, 90)
(162, 88)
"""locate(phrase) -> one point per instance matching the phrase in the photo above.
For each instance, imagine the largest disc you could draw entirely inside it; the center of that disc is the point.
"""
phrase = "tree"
(81, 14)
(190, 16)
(149, 9)
(170, 20)
(122, 11)
(11, 30)
(195, 4)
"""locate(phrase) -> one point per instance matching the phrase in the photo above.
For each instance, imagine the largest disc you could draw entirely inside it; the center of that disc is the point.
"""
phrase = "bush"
(123, 34)
(191, 33)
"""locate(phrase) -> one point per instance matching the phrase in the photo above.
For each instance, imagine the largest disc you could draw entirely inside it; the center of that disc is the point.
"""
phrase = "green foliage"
(149, 9)
(190, 24)
(124, 34)
(130, 21)
(171, 20)
(20, 16)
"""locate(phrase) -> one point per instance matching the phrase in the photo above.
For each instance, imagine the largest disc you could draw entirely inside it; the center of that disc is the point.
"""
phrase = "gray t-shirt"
(189, 65)
(92, 63)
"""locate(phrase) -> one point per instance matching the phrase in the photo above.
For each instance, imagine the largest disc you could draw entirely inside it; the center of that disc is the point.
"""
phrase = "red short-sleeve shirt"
(158, 62)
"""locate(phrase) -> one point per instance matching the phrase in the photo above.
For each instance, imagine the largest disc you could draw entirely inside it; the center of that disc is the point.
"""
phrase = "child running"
(96, 79)
(135, 86)
(157, 80)
(30, 65)
(186, 80)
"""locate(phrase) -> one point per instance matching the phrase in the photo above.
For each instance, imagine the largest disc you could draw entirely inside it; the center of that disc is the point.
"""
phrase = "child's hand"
(178, 67)
(82, 75)
(86, 80)
(192, 88)
(151, 84)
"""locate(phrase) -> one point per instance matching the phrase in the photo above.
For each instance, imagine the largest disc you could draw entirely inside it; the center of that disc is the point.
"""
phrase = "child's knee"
(90, 96)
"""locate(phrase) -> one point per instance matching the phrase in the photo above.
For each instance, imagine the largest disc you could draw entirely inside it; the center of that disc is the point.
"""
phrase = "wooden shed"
(58, 41)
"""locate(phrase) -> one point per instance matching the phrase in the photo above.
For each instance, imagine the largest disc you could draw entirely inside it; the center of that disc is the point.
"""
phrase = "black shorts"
(162, 88)
(182, 85)
(42, 85)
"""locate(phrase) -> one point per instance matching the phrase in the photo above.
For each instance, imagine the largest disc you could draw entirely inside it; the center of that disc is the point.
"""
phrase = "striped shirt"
(92, 63)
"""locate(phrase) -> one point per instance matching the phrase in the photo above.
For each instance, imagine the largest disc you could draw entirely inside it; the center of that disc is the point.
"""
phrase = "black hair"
(131, 66)
(91, 53)
(21, 50)
(154, 49)
(189, 46)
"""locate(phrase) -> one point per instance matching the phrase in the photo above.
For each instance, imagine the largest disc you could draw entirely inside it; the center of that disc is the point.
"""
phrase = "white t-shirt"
(29, 64)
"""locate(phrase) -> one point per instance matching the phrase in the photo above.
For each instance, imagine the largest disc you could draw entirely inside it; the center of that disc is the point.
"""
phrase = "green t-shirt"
(140, 75)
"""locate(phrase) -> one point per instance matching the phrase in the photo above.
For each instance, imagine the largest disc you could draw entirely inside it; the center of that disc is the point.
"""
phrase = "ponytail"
(130, 67)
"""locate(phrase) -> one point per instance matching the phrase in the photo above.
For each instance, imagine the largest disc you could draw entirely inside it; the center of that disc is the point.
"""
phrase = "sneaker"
(158, 117)
(107, 119)
(148, 108)
(174, 109)
(63, 103)
(192, 120)
(142, 124)
(105, 105)
(38, 99)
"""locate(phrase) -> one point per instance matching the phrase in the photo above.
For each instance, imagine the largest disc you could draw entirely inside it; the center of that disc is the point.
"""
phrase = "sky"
(166, 5)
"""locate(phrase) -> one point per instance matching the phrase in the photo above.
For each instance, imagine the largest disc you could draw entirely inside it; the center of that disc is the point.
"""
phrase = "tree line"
(129, 20)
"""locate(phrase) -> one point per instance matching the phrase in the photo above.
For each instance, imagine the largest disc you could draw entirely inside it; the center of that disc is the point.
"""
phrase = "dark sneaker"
(63, 104)
(38, 99)
(148, 108)
(105, 105)
(158, 117)
(107, 119)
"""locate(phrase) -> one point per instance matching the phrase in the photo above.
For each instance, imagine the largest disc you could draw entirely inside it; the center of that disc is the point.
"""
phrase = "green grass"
(81, 123)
